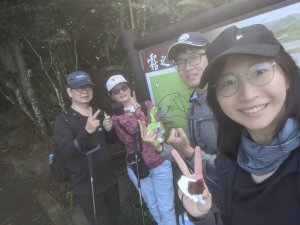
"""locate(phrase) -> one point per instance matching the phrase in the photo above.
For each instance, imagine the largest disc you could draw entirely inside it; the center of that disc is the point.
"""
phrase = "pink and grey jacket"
(130, 123)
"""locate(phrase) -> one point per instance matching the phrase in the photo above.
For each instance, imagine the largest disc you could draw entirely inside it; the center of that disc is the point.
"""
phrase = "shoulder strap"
(191, 125)
(137, 141)
(67, 114)
(133, 133)
(144, 108)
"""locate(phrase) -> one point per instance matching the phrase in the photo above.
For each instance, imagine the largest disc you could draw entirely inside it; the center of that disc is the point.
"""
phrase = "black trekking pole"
(89, 156)
(139, 189)
(136, 133)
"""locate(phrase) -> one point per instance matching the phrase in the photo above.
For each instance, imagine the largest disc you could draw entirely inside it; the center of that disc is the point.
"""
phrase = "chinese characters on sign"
(155, 58)
(154, 64)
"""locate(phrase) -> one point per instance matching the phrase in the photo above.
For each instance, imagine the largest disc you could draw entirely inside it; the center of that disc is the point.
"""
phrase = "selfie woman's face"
(251, 91)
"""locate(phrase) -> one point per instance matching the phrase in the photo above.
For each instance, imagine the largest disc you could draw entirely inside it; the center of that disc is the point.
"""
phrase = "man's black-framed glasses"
(87, 88)
(192, 60)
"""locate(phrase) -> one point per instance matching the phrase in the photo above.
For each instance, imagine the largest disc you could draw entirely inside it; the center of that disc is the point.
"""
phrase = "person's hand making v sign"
(136, 105)
(194, 208)
(149, 137)
(107, 122)
(92, 121)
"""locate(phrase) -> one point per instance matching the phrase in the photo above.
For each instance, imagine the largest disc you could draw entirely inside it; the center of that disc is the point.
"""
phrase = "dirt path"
(19, 205)
(25, 177)
(28, 194)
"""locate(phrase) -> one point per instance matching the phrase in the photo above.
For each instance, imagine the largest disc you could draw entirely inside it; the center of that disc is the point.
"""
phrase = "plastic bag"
(156, 126)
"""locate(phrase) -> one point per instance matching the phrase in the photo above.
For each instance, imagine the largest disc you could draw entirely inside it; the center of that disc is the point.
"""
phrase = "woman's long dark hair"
(229, 132)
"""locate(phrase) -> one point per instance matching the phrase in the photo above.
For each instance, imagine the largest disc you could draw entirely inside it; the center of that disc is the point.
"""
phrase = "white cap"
(114, 80)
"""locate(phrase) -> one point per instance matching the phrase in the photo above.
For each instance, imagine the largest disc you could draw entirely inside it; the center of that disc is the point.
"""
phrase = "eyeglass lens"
(117, 91)
(258, 74)
(86, 88)
(193, 60)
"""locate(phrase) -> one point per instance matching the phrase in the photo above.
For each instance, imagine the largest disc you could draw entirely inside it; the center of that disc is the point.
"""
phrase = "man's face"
(190, 65)
(81, 95)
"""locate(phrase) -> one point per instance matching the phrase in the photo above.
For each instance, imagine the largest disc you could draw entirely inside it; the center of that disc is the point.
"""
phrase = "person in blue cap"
(254, 91)
(189, 58)
(77, 131)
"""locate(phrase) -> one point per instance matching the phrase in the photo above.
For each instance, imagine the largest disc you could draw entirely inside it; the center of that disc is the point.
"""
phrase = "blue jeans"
(158, 193)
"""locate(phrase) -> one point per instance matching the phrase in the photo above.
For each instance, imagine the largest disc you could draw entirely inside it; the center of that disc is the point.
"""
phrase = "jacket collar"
(195, 98)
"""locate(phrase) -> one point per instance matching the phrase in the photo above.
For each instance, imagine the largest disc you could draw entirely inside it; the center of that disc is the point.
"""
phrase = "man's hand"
(180, 142)
(196, 209)
(92, 121)
(107, 122)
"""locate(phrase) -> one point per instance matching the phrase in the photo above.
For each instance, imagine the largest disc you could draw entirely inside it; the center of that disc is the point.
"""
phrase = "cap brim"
(79, 84)
(120, 82)
(174, 47)
(267, 50)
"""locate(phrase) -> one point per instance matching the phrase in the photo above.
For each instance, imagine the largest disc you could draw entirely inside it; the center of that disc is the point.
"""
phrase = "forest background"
(40, 43)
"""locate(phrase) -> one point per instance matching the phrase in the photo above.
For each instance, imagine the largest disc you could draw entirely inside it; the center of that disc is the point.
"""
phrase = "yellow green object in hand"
(156, 126)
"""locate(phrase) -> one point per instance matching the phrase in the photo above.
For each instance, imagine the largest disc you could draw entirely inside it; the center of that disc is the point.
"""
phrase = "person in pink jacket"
(156, 188)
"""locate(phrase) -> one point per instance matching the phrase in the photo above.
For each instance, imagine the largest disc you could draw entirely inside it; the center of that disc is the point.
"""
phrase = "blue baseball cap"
(78, 78)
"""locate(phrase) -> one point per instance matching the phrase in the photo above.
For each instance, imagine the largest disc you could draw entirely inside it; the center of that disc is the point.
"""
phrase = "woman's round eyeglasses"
(258, 74)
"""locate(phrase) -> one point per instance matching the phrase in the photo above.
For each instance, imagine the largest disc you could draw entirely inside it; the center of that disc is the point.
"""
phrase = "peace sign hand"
(107, 122)
(149, 137)
(195, 208)
(92, 121)
(136, 105)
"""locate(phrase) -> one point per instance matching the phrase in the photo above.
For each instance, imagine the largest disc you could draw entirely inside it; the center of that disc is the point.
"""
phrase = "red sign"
(155, 58)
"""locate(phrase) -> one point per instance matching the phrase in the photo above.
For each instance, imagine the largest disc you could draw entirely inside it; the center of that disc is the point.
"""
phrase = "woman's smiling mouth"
(254, 109)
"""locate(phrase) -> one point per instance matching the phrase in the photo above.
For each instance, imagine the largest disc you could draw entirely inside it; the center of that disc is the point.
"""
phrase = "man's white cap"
(114, 80)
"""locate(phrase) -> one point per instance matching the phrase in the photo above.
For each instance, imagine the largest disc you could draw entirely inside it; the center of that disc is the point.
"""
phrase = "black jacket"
(73, 141)
(227, 170)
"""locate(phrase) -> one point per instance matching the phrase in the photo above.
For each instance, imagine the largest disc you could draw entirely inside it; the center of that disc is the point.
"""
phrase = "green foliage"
(151, 15)
(60, 36)
(195, 3)
(131, 212)
(191, 5)
(70, 198)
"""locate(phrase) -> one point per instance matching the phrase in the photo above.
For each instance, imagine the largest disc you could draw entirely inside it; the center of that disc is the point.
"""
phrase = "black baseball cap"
(251, 40)
(78, 78)
(194, 39)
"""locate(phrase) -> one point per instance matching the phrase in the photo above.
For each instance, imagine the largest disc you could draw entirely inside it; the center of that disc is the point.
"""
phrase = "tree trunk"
(57, 93)
(20, 99)
(26, 84)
